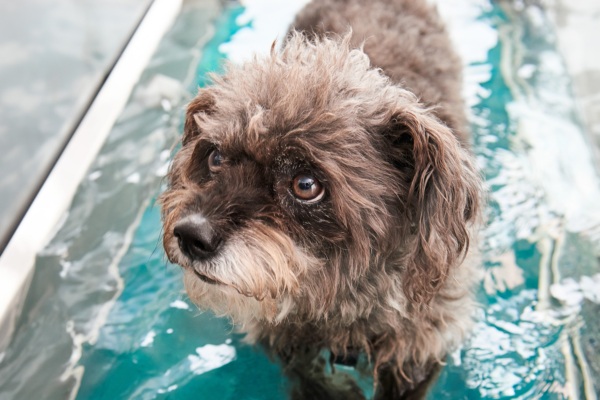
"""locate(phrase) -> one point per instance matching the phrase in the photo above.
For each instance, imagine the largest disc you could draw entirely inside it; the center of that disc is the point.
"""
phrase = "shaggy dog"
(324, 198)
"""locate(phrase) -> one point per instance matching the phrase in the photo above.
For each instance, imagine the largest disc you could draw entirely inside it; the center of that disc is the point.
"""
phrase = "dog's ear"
(202, 104)
(443, 189)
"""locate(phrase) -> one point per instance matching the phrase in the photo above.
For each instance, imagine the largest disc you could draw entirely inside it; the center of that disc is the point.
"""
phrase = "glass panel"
(53, 56)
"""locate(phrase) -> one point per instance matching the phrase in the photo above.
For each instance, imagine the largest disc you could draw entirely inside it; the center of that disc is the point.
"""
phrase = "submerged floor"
(107, 317)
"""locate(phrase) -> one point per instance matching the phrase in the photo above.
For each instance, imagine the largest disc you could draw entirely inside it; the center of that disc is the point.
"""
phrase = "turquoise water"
(108, 317)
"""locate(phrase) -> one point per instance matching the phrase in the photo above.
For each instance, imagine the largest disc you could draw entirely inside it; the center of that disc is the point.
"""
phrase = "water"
(107, 317)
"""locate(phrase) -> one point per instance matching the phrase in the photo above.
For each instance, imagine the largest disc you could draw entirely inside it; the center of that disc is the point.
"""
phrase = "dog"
(326, 200)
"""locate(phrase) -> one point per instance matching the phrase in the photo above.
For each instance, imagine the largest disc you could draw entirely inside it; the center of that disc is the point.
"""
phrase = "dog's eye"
(215, 159)
(307, 188)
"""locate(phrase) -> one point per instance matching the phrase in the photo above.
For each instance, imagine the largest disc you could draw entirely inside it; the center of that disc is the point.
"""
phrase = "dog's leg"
(313, 377)
(390, 389)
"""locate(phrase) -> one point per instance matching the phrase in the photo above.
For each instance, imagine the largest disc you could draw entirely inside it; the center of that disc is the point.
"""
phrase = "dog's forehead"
(293, 101)
(265, 133)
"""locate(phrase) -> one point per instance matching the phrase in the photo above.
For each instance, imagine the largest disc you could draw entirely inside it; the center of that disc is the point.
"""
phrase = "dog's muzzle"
(196, 237)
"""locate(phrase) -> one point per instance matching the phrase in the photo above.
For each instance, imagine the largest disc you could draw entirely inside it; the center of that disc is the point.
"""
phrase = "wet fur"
(384, 262)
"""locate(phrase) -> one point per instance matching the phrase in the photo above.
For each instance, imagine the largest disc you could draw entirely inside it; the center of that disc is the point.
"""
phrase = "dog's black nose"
(196, 237)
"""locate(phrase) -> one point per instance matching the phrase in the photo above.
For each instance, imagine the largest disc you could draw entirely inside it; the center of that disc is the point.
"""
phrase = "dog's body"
(321, 205)
(407, 40)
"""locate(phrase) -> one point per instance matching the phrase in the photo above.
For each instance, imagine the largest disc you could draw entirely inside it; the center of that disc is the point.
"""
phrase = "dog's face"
(308, 185)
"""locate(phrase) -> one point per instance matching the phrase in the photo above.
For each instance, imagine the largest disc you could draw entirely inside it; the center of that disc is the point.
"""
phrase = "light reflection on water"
(537, 329)
(542, 216)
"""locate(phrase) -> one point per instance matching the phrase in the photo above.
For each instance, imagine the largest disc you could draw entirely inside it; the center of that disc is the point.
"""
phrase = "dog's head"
(308, 185)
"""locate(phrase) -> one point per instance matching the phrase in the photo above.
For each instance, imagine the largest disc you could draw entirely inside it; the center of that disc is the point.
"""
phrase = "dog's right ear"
(443, 198)
(202, 104)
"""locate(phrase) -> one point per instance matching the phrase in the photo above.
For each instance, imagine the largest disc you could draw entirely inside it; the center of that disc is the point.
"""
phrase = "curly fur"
(383, 263)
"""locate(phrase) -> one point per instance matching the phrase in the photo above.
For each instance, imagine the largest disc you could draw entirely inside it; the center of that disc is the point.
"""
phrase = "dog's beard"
(253, 279)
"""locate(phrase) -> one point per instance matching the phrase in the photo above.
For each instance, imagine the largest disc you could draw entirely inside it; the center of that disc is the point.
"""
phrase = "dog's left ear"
(444, 192)
(203, 103)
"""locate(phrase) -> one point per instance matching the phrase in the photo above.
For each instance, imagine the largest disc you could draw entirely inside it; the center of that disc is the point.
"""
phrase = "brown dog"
(323, 197)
